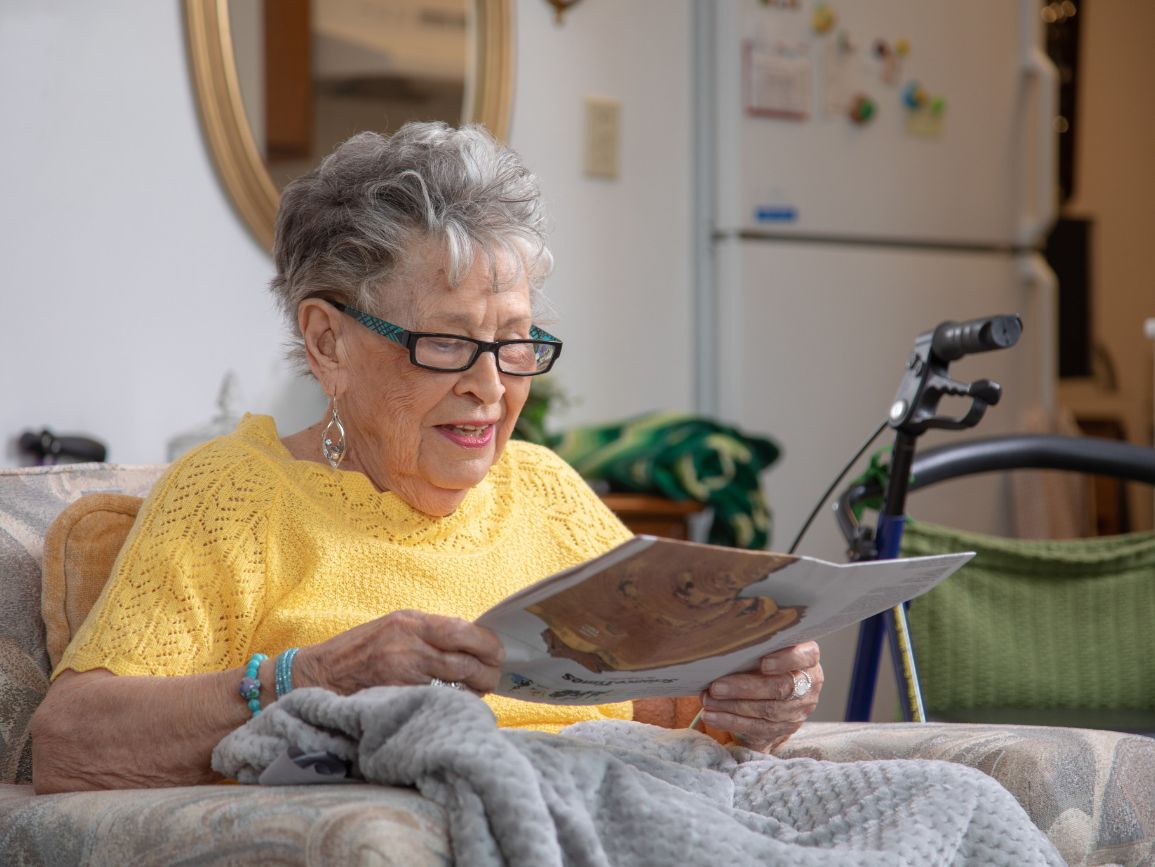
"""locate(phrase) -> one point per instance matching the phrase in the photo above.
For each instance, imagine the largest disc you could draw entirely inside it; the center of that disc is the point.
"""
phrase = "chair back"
(31, 498)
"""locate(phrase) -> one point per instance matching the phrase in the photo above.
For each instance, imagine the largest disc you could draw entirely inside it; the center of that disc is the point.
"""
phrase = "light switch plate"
(603, 137)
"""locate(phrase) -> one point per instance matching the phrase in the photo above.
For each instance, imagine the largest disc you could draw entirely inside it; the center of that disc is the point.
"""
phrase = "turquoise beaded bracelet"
(283, 670)
(250, 685)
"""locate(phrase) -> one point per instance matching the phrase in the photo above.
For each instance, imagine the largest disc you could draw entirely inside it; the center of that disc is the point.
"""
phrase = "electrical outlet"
(603, 137)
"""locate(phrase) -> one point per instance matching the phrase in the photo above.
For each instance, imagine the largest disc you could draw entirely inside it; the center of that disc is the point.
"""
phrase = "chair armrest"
(326, 824)
(1091, 792)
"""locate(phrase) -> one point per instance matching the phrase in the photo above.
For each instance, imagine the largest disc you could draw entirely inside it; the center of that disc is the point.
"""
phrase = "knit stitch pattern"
(625, 794)
(1073, 614)
(240, 548)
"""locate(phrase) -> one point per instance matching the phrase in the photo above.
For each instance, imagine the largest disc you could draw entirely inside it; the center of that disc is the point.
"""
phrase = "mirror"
(281, 82)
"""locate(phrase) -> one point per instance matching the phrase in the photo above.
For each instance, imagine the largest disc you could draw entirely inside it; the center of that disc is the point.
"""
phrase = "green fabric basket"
(1040, 631)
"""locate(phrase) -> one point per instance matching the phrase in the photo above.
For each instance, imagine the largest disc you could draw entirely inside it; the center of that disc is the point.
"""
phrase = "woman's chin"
(438, 489)
(438, 509)
(459, 472)
(438, 500)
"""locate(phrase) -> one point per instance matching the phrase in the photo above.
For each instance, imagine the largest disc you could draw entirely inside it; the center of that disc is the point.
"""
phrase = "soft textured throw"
(683, 457)
(622, 793)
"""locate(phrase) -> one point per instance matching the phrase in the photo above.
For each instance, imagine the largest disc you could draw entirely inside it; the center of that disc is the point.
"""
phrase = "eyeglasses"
(452, 353)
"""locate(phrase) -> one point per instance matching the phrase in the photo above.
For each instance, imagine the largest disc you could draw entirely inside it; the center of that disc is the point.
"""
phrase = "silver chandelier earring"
(333, 443)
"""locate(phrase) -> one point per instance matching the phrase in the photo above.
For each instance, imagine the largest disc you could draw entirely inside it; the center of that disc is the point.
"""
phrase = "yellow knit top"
(241, 548)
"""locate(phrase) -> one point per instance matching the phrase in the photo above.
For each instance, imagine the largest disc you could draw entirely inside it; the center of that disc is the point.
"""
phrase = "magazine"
(662, 617)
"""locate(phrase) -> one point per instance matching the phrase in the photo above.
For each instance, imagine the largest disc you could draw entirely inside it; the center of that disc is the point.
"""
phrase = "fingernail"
(720, 690)
(710, 719)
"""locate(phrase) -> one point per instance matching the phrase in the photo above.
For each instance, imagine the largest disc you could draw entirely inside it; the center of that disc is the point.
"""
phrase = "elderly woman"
(356, 552)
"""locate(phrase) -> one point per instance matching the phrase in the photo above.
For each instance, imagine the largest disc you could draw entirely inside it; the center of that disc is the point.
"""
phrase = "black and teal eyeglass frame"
(453, 353)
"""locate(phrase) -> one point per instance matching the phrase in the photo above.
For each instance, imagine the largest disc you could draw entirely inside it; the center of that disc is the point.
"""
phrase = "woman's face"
(430, 436)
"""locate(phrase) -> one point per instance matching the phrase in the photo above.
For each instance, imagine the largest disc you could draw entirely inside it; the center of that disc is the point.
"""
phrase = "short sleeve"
(187, 589)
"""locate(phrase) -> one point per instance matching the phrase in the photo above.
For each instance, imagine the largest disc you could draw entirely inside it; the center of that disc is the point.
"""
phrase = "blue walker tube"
(891, 624)
(868, 652)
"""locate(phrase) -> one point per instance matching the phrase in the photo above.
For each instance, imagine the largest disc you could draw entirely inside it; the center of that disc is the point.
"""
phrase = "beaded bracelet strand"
(283, 670)
(250, 688)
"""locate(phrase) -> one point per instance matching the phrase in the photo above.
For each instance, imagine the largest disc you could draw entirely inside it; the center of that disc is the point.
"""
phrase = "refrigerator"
(870, 168)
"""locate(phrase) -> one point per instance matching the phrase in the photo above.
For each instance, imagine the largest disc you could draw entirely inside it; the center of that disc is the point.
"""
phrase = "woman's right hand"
(403, 648)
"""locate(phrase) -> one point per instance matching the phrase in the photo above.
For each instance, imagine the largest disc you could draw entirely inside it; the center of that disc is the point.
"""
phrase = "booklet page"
(662, 617)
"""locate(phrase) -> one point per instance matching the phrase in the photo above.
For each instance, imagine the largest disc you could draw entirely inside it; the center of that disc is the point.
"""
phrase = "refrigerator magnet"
(776, 214)
(776, 82)
(823, 19)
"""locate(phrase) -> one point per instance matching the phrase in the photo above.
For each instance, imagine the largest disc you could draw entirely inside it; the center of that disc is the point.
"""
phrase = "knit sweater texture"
(240, 548)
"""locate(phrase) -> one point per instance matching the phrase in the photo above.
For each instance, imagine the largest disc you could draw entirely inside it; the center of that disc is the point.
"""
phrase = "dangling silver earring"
(333, 449)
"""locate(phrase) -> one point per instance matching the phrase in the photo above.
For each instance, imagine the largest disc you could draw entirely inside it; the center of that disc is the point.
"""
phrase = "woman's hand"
(757, 707)
(403, 648)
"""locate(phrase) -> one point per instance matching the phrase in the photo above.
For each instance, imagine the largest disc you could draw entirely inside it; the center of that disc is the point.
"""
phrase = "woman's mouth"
(470, 436)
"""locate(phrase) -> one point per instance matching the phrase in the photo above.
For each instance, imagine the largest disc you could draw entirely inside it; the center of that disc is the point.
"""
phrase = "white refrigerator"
(871, 168)
(874, 167)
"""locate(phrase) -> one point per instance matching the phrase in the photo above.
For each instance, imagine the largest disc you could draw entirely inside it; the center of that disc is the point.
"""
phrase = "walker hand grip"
(48, 446)
(952, 340)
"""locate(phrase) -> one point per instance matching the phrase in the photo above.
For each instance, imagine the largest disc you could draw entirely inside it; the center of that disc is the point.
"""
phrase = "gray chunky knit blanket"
(621, 793)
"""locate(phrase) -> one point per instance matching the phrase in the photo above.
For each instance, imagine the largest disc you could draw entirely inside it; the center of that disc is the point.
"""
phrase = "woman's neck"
(305, 445)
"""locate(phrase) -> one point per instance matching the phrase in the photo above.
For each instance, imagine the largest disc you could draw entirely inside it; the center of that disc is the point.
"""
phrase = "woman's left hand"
(758, 707)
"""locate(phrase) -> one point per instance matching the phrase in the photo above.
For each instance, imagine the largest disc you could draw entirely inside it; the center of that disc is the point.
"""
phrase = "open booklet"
(660, 617)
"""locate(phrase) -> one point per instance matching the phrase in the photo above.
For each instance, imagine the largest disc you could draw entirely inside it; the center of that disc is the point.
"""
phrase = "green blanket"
(682, 457)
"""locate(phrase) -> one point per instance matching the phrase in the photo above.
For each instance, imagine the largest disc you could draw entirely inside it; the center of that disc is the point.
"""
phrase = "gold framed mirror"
(253, 179)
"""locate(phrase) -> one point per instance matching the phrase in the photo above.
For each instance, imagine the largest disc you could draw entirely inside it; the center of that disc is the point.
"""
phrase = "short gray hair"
(344, 228)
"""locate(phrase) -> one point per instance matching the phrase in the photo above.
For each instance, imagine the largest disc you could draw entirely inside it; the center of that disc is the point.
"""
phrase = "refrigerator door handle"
(1036, 273)
(1041, 80)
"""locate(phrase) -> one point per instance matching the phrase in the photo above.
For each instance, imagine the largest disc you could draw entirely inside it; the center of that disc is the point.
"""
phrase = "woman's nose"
(483, 379)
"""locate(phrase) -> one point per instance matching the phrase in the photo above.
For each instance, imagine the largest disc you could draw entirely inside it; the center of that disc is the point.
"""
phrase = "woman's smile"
(470, 436)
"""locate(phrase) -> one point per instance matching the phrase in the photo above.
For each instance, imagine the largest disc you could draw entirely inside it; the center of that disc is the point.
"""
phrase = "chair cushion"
(79, 551)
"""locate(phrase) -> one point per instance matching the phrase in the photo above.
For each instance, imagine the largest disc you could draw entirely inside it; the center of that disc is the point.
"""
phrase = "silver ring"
(452, 684)
(802, 684)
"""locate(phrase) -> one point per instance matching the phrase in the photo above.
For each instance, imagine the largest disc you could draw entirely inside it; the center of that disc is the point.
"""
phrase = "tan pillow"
(79, 550)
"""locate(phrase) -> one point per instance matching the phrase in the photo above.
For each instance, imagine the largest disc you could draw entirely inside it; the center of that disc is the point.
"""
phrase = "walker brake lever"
(925, 383)
(983, 393)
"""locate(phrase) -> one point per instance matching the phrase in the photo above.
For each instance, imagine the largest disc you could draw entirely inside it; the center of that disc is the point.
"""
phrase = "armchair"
(1092, 792)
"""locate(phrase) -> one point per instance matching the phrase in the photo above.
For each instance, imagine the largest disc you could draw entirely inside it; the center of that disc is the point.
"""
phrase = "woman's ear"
(321, 327)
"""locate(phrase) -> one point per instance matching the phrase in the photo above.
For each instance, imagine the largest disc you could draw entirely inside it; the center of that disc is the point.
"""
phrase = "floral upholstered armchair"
(1091, 792)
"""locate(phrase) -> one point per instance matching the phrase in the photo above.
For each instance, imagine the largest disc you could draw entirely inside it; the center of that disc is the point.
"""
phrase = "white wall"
(622, 284)
(127, 284)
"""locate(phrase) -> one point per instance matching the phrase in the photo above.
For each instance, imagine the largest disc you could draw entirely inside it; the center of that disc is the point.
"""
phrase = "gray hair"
(346, 227)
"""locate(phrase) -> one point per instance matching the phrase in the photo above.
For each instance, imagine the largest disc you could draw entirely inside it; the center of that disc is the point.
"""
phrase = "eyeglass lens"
(450, 353)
